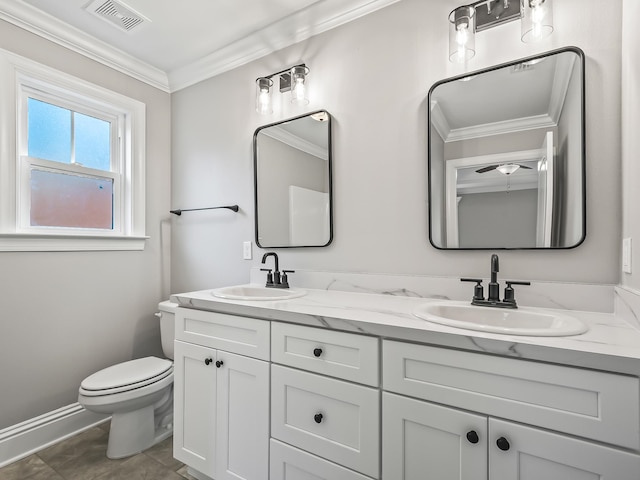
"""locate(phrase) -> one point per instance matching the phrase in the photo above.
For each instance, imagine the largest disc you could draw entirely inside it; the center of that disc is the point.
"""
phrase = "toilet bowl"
(138, 394)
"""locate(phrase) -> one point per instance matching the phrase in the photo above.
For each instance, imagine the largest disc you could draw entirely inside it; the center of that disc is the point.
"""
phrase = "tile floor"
(82, 457)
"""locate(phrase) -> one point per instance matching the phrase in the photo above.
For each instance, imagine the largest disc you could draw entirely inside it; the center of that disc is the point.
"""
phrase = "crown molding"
(280, 134)
(46, 26)
(280, 34)
(498, 128)
(439, 121)
(560, 87)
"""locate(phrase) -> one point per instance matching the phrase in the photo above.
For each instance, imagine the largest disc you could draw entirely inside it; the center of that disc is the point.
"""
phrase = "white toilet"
(137, 394)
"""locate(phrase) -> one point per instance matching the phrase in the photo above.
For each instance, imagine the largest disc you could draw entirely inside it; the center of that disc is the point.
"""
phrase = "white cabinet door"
(422, 440)
(242, 418)
(194, 406)
(532, 454)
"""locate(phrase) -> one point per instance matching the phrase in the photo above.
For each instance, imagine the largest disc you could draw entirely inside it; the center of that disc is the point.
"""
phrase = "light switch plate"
(626, 255)
(246, 250)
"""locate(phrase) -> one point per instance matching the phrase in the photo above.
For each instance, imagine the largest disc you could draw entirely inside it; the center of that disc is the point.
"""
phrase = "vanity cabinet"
(221, 395)
(267, 399)
(423, 438)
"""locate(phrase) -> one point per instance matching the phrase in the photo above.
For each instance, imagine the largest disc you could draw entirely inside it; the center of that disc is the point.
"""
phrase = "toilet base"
(133, 432)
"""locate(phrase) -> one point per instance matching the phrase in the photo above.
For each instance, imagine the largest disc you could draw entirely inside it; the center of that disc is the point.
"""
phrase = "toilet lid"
(131, 374)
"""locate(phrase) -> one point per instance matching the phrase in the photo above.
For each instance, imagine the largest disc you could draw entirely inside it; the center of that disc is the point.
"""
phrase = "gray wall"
(373, 76)
(67, 314)
(630, 136)
(505, 219)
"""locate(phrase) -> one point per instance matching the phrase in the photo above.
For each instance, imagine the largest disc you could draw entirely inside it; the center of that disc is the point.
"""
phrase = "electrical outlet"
(626, 255)
(246, 251)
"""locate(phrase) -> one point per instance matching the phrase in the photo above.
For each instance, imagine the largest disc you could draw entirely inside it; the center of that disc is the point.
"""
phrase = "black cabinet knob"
(503, 444)
(472, 436)
(318, 417)
(219, 363)
(317, 352)
(207, 361)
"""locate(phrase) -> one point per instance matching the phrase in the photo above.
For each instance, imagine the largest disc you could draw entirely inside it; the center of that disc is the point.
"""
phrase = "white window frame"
(20, 79)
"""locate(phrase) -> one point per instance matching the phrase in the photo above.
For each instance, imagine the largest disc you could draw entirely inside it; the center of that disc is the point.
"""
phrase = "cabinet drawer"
(235, 334)
(336, 420)
(597, 405)
(289, 463)
(337, 354)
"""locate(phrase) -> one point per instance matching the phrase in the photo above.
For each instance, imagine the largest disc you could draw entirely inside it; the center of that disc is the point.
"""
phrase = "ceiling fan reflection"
(505, 168)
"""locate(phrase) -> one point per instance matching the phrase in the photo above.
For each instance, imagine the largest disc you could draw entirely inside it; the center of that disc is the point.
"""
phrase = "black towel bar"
(179, 212)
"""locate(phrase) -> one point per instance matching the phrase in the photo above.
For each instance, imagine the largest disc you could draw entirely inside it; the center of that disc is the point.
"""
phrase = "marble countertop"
(610, 344)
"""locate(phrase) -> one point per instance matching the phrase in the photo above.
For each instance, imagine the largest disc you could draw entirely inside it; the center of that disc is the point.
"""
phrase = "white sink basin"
(521, 321)
(255, 292)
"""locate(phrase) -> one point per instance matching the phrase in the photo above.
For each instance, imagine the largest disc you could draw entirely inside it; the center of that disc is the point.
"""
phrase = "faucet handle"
(478, 290)
(284, 280)
(269, 276)
(509, 292)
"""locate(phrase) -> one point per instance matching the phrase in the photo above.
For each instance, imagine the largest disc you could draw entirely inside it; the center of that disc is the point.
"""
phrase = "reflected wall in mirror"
(507, 156)
(292, 179)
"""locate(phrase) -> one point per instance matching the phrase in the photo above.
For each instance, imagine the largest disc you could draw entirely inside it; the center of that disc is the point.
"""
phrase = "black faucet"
(494, 287)
(493, 299)
(276, 279)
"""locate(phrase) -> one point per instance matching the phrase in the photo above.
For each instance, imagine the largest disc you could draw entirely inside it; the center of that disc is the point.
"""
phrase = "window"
(77, 164)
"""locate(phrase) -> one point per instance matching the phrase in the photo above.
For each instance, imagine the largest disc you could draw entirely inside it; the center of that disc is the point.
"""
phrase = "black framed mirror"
(292, 182)
(507, 155)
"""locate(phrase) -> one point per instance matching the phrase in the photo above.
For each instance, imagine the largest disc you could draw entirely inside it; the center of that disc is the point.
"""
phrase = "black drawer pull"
(207, 361)
(318, 417)
(317, 352)
(219, 363)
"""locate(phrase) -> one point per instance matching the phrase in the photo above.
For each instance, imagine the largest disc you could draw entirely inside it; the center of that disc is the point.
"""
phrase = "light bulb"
(462, 37)
(298, 92)
(537, 16)
(537, 20)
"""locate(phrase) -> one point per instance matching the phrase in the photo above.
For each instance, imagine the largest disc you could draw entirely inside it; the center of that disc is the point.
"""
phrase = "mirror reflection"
(506, 156)
(292, 173)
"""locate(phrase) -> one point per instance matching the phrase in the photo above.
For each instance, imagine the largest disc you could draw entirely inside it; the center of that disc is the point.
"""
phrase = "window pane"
(65, 200)
(92, 138)
(49, 134)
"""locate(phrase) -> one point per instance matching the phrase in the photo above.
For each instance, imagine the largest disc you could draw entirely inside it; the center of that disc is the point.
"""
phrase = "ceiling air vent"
(116, 13)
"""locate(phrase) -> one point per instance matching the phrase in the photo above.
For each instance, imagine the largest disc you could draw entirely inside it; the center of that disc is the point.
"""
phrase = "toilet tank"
(167, 311)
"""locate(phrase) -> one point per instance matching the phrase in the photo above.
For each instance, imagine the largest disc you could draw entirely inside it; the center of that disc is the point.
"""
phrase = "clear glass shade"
(537, 20)
(462, 37)
(263, 96)
(298, 85)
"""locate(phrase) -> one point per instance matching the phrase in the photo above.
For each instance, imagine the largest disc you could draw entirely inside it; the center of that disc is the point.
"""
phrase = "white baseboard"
(28, 437)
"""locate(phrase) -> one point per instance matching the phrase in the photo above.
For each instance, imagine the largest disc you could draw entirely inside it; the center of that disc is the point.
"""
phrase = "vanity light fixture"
(536, 20)
(291, 80)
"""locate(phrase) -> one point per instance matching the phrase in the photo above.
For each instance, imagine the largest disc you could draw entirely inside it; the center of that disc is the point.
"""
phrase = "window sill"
(16, 242)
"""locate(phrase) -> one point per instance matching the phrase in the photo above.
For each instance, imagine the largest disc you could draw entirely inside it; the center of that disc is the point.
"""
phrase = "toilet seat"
(126, 376)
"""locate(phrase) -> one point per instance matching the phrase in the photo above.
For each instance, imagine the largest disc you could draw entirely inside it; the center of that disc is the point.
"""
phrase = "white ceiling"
(181, 43)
